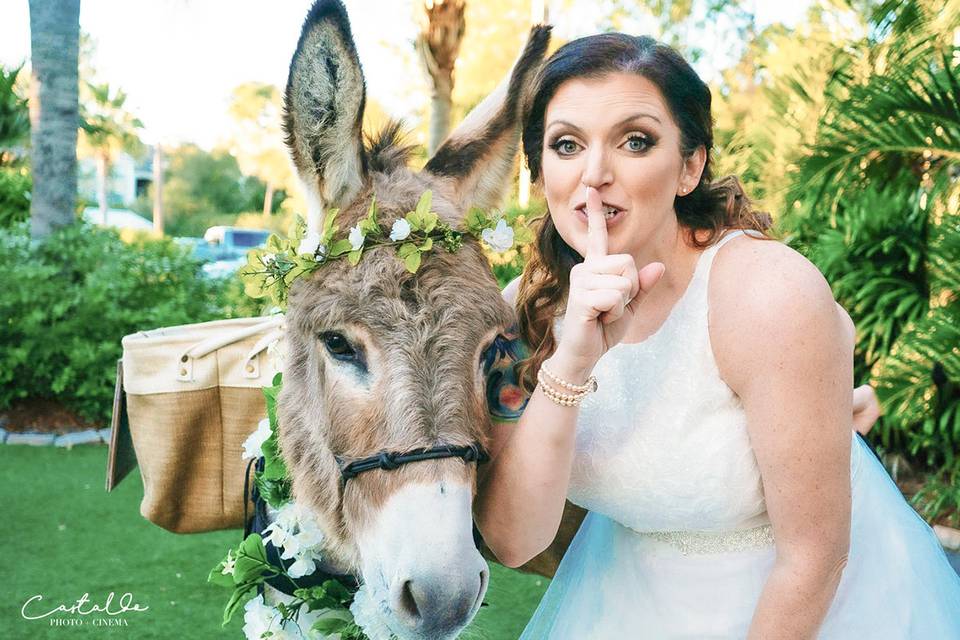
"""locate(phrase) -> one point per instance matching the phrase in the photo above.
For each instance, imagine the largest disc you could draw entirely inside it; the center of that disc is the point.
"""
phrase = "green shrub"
(15, 186)
(66, 302)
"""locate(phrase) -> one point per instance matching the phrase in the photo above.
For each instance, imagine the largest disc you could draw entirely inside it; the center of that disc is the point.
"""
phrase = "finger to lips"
(596, 226)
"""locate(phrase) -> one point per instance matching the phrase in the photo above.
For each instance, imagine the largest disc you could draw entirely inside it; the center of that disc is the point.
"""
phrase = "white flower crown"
(271, 271)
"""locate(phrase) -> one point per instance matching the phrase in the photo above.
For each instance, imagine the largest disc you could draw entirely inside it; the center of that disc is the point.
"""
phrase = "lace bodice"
(662, 445)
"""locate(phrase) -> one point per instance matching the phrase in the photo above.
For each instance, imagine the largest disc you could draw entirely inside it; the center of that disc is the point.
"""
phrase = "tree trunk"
(54, 113)
(440, 104)
(158, 190)
(268, 201)
(103, 171)
(439, 42)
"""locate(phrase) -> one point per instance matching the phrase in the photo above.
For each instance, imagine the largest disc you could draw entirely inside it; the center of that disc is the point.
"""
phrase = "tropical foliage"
(854, 145)
(106, 128)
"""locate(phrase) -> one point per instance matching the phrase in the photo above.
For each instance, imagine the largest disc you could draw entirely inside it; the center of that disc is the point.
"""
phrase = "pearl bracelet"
(561, 398)
(588, 387)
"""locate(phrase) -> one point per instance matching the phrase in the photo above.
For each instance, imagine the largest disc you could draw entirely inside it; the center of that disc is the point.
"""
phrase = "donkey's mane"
(387, 150)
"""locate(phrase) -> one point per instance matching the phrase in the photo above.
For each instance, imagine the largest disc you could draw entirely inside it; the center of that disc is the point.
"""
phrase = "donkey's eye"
(338, 346)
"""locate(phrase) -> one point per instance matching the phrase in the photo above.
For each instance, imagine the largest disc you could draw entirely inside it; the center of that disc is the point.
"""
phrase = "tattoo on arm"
(505, 397)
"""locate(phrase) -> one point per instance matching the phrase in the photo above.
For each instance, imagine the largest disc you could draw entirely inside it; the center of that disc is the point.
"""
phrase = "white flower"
(309, 244)
(268, 259)
(229, 564)
(356, 238)
(369, 615)
(295, 531)
(302, 566)
(499, 239)
(400, 230)
(259, 618)
(252, 446)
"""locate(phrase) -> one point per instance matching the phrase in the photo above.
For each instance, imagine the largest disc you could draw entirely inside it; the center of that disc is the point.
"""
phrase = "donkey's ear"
(477, 158)
(323, 110)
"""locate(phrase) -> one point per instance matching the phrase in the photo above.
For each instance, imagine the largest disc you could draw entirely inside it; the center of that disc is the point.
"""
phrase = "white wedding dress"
(678, 544)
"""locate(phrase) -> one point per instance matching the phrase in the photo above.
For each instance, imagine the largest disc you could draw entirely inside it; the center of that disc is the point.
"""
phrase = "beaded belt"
(703, 542)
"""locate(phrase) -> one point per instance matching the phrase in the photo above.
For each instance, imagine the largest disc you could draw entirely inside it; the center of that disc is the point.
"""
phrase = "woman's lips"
(581, 215)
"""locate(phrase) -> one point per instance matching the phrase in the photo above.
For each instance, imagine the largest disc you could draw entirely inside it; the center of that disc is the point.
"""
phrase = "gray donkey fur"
(414, 380)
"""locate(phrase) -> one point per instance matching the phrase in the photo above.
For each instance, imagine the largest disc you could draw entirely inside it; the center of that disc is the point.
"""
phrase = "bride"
(699, 407)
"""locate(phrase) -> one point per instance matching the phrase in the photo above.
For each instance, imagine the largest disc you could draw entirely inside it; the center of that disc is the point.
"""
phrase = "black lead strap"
(390, 461)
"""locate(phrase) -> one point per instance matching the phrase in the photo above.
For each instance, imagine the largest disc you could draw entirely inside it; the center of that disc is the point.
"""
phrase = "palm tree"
(878, 209)
(54, 44)
(14, 118)
(439, 45)
(107, 129)
(257, 141)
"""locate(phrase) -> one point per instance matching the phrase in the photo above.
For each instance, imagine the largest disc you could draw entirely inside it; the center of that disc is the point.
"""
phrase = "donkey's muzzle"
(438, 608)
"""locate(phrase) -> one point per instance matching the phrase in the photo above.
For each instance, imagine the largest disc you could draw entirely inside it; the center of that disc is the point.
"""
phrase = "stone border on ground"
(66, 440)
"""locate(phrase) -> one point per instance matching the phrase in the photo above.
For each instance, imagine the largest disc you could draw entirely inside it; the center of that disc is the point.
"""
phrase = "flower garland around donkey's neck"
(342, 611)
(270, 272)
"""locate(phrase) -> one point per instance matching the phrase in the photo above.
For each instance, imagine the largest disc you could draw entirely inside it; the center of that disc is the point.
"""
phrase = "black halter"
(390, 461)
(384, 460)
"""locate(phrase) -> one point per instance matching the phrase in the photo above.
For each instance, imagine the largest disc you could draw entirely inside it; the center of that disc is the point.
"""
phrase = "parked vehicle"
(230, 243)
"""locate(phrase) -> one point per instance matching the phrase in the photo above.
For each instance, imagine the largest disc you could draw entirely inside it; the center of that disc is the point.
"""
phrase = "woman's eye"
(338, 346)
(637, 143)
(565, 147)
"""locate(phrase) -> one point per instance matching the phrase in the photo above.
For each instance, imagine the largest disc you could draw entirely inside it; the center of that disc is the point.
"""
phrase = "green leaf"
(340, 247)
(328, 223)
(275, 492)
(415, 220)
(412, 262)
(427, 245)
(251, 564)
(371, 226)
(354, 257)
(429, 221)
(239, 598)
(218, 577)
(334, 622)
(476, 221)
(406, 249)
(338, 591)
(423, 206)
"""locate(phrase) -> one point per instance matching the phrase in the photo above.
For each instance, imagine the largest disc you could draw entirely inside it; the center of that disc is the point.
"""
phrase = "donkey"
(379, 359)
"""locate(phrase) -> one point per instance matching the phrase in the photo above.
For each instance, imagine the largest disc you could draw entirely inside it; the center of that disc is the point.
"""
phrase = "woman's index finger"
(596, 225)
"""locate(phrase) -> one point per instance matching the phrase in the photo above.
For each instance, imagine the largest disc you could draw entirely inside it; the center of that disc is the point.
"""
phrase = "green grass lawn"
(64, 536)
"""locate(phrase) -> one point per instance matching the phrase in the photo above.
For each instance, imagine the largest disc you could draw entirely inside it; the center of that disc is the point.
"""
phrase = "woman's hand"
(866, 409)
(605, 291)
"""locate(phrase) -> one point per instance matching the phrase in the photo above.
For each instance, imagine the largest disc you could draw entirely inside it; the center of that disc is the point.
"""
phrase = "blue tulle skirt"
(614, 583)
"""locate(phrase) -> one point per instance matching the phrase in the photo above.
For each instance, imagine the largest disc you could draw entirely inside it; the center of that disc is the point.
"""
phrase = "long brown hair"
(711, 207)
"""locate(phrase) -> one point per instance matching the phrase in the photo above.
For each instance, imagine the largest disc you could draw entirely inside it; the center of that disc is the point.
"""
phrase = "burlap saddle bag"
(186, 399)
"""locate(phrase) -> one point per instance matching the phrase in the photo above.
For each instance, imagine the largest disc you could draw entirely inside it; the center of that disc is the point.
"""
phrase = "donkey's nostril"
(408, 604)
(484, 579)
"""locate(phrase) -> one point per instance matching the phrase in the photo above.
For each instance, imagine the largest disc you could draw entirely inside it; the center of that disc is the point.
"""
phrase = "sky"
(178, 60)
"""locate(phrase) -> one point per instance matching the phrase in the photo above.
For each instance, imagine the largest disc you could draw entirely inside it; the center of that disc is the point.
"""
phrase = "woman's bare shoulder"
(765, 298)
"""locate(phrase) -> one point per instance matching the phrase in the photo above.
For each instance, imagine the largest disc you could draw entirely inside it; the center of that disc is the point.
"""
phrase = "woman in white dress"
(727, 496)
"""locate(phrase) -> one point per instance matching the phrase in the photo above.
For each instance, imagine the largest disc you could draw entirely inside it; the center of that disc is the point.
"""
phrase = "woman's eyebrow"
(566, 123)
(638, 116)
(627, 120)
